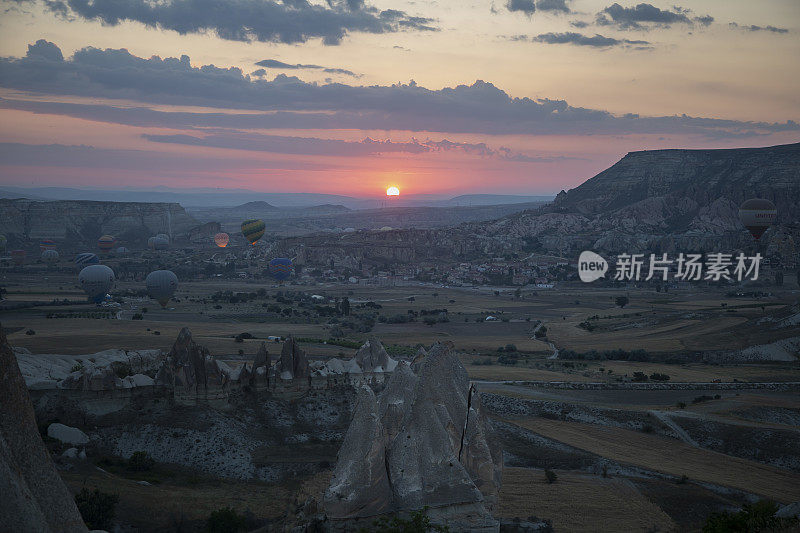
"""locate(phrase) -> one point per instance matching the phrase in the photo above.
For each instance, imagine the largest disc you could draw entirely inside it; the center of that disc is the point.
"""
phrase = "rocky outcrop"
(293, 363)
(261, 365)
(190, 366)
(372, 357)
(360, 484)
(34, 498)
(437, 446)
(74, 222)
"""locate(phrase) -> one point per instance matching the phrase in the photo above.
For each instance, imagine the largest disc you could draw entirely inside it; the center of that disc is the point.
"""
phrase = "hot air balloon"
(163, 236)
(18, 256)
(151, 243)
(253, 229)
(280, 268)
(96, 281)
(86, 258)
(105, 243)
(161, 285)
(122, 251)
(47, 244)
(3, 243)
(160, 242)
(221, 239)
(50, 256)
(757, 215)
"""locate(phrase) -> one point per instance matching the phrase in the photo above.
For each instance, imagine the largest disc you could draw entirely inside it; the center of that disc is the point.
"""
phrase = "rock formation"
(293, 363)
(190, 366)
(437, 449)
(372, 357)
(32, 495)
(260, 365)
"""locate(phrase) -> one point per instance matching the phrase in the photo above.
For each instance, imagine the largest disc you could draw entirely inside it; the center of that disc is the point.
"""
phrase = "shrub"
(137, 316)
(622, 301)
(681, 405)
(30, 332)
(755, 517)
(76, 367)
(550, 476)
(140, 462)
(97, 508)
(639, 376)
(417, 522)
(656, 376)
(225, 520)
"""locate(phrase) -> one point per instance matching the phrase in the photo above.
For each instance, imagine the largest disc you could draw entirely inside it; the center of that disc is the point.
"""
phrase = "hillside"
(72, 222)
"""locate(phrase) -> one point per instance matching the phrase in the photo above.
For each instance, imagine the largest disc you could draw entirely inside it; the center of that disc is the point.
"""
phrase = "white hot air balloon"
(161, 285)
(160, 242)
(163, 236)
(96, 281)
(50, 256)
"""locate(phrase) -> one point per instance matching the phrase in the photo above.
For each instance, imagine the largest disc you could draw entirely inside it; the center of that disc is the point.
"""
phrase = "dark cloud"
(280, 65)
(525, 6)
(579, 24)
(597, 41)
(290, 103)
(772, 29)
(529, 7)
(644, 16)
(44, 50)
(338, 148)
(285, 21)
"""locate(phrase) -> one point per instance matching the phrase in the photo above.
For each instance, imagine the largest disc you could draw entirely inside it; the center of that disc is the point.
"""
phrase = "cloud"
(525, 6)
(753, 27)
(280, 65)
(529, 7)
(597, 41)
(285, 21)
(644, 16)
(289, 103)
(339, 148)
(579, 24)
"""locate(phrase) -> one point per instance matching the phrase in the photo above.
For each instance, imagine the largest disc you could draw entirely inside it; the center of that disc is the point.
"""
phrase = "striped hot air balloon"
(18, 257)
(253, 229)
(280, 268)
(50, 256)
(221, 239)
(757, 215)
(86, 258)
(47, 244)
(106, 243)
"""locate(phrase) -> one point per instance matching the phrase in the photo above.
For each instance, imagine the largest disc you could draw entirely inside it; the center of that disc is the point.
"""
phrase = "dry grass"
(672, 457)
(578, 502)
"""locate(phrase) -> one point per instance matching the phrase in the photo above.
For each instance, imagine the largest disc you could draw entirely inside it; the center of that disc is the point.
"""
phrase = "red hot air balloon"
(221, 239)
(757, 215)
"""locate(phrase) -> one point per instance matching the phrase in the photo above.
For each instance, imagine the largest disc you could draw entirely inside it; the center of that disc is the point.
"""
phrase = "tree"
(755, 517)
(622, 301)
(417, 522)
(518, 293)
(550, 476)
(346, 306)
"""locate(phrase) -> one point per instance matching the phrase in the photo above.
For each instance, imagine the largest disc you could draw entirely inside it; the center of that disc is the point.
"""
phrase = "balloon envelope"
(161, 285)
(280, 268)
(163, 236)
(122, 251)
(18, 256)
(160, 243)
(105, 243)
(221, 239)
(47, 244)
(96, 281)
(253, 229)
(86, 258)
(757, 215)
(50, 256)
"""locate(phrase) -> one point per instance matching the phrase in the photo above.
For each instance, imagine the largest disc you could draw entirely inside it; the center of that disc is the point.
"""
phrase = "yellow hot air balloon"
(253, 229)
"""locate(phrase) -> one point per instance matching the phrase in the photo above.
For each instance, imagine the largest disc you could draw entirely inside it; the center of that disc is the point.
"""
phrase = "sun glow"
(392, 191)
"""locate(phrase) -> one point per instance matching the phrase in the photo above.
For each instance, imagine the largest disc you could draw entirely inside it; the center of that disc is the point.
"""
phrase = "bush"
(137, 316)
(77, 367)
(550, 476)
(30, 332)
(140, 462)
(622, 301)
(681, 405)
(639, 377)
(97, 508)
(225, 520)
(755, 517)
(417, 522)
(656, 376)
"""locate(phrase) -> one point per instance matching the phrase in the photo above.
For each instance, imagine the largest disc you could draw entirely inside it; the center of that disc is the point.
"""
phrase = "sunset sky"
(350, 96)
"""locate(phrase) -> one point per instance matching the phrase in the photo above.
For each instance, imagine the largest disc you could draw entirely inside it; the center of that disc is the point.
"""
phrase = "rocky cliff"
(73, 222)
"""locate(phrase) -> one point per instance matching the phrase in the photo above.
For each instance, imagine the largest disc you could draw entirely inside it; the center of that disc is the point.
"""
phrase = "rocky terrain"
(76, 222)
(662, 200)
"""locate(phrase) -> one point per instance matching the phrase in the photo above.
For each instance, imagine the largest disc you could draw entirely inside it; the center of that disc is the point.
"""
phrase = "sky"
(349, 97)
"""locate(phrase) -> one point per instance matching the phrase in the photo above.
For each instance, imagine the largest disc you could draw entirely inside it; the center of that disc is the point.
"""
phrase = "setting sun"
(393, 191)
